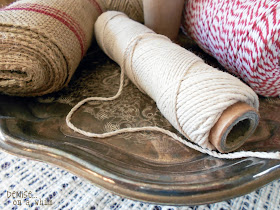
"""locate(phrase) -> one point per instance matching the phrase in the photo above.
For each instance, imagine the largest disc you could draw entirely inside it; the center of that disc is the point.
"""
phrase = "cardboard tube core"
(163, 16)
(236, 124)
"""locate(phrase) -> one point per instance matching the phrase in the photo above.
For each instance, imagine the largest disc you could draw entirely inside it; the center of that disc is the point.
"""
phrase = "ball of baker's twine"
(242, 35)
(194, 98)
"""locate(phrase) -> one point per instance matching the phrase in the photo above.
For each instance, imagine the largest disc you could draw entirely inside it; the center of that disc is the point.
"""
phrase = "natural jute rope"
(242, 35)
(189, 93)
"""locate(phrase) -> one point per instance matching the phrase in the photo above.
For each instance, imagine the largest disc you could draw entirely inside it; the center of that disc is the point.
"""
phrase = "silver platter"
(144, 166)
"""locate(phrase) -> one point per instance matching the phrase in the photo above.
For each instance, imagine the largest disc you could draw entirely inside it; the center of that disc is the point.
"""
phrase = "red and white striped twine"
(243, 35)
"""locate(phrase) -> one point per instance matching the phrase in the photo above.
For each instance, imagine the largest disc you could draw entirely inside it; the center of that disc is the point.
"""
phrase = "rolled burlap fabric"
(132, 8)
(42, 43)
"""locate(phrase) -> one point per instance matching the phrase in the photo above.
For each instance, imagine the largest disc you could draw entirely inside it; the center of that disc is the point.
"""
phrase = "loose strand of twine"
(128, 55)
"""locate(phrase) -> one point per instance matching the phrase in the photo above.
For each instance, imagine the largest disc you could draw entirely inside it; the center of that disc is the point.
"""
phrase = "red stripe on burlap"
(96, 5)
(58, 15)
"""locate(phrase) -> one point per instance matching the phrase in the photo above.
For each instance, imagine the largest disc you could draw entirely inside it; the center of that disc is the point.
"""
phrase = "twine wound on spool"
(189, 93)
(242, 35)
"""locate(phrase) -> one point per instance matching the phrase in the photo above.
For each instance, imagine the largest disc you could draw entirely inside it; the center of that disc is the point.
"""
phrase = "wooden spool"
(163, 16)
(236, 124)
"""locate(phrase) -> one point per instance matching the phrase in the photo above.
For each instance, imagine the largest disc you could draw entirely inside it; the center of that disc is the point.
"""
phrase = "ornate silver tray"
(144, 166)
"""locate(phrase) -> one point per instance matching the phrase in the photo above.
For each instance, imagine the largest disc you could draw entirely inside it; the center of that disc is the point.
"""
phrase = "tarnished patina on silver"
(144, 166)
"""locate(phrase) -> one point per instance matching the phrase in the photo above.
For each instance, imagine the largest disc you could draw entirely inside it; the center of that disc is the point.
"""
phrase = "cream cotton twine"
(189, 93)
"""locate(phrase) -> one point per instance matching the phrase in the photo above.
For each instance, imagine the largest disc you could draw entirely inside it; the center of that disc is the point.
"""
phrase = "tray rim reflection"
(147, 192)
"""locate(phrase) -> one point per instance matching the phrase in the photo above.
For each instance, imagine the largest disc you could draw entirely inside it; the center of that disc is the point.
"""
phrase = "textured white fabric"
(68, 191)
